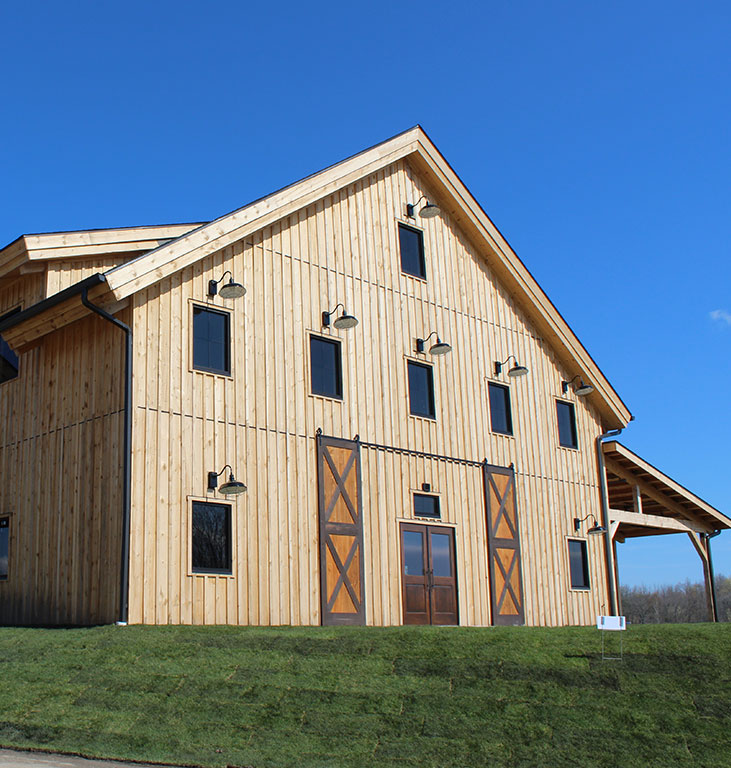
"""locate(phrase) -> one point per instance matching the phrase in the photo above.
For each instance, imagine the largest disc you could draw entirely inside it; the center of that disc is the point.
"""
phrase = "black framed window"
(566, 424)
(211, 537)
(8, 358)
(211, 341)
(501, 417)
(411, 246)
(578, 564)
(421, 390)
(4, 547)
(326, 371)
(426, 505)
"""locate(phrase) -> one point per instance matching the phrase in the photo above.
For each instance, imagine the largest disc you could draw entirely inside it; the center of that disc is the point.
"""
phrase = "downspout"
(127, 448)
(604, 495)
(708, 537)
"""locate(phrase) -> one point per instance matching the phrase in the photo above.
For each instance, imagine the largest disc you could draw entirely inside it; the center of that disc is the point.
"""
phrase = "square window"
(211, 537)
(501, 418)
(421, 390)
(4, 546)
(578, 564)
(211, 341)
(326, 373)
(411, 245)
(8, 358)
(566, 424)
(426, 505)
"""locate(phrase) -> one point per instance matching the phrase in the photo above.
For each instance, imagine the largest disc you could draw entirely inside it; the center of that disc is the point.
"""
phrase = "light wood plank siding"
(262, 419)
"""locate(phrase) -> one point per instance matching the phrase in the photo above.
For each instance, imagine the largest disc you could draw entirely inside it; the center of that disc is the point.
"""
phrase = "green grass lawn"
(371, 697)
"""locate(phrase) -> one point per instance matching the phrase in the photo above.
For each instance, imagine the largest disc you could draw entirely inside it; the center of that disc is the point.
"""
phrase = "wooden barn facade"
(418, 429)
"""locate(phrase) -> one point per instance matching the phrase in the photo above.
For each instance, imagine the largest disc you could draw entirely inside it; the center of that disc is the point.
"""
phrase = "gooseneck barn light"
(344, 321)
(231, 488)
(594, 530)
(429, 211)
(232, 289)
(580, 390)
(439, 348)
(515, 371)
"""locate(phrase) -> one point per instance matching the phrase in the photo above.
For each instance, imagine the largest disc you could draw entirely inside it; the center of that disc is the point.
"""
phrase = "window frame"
(431, 391)
(215, 572)
(338, 344)
(215, 309)
(422, 251)
(572, 411)
(509, 412)
(437, 503)
(6, 519)
(4, 316)
(584, 550)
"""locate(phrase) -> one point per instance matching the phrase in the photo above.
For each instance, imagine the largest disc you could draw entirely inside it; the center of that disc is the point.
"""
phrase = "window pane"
(413, 553)
(211, 341)
(566, 424)
(426, 506)
(8, 358)
(440, 554)
(325, 367)
(211, 538)
(421, 390)
(501, 419)
(411, 244)
(4, 544)
(578, 565)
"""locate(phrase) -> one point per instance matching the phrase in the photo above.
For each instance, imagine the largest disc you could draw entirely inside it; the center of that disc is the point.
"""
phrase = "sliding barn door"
(341, 531)
(506, 581)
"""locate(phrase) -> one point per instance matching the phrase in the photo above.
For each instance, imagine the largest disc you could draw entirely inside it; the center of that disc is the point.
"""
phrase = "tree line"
(676, 604)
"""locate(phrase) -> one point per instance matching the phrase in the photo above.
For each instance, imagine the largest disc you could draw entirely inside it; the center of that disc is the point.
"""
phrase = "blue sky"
(596, 136)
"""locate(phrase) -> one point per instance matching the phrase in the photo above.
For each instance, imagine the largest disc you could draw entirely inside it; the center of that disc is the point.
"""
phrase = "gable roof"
(452, 195)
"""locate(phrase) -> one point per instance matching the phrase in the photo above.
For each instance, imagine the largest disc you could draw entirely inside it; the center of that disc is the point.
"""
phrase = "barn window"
(326, 372)
(566, 424)
(211, 341)
(411, 245)
(421, 390)
(4, 547)
(501, 418)
(426, 505)
(211, 538)
(8, 358)
(578, 564)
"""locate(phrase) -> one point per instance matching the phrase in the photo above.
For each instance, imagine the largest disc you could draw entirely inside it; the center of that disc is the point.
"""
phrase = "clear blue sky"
(596, 136)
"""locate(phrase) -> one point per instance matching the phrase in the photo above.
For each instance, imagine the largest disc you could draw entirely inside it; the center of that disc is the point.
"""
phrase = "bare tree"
(681, 603)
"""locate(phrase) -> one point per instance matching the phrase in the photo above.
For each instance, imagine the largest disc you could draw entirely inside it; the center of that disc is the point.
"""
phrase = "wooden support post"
(701, 547)
(637, 499)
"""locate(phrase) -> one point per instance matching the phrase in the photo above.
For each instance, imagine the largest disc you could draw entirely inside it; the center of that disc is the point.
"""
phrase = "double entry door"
(428, 578)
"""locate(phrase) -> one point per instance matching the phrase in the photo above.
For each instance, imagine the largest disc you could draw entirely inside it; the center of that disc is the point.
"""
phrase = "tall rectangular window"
(578, 564)
(211, 341)
(421, 390)
(411, 245)
(566, 424)
(501, 419)
(4, 546)
(8, 358)
(326, 373)
(211, 538)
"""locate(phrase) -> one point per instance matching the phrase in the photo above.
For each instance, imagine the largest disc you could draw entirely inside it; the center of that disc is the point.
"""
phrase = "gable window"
(411, 245)
(211, 538)
(211, 341)
(326, 372)
(8, 358)
(501, 418)
(566, 424)
(426, 505)
(4, 547)
(578, 564)
(421, 390)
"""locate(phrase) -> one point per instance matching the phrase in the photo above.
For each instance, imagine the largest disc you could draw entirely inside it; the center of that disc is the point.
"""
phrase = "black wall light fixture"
(515, 371)
(594, 530)
(231, 488)
(429, 211)
(580, 390)
(344, 321)
(440, 348)
(232, 289)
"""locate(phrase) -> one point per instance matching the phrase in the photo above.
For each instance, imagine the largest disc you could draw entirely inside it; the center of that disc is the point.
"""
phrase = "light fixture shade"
(345, 321)
(232, 487)
(596, 529)
(232, 290)
(429, 211)
(440, 348)
(518, 370)
(583, 389)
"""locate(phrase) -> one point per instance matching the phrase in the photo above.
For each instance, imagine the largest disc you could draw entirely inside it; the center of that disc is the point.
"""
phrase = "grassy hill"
(371, 697)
